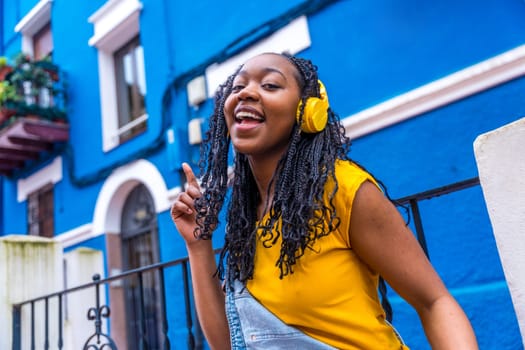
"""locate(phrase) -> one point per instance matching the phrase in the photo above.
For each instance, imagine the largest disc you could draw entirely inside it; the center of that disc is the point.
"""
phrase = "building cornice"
(474, 79)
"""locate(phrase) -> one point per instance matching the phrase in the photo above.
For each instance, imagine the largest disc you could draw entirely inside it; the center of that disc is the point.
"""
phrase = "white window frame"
(32, 22)
(115, 24)
(51, 173)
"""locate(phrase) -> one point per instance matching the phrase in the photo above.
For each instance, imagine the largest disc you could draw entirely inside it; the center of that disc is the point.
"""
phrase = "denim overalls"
(252, 326)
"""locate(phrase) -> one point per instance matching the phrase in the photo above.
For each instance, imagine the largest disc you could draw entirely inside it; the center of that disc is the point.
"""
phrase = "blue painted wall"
(367, 52)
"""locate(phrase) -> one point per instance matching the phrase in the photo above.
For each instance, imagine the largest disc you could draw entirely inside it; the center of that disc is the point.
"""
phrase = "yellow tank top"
(332, 295)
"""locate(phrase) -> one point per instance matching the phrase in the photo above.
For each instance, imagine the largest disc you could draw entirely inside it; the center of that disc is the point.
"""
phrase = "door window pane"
(139, 249)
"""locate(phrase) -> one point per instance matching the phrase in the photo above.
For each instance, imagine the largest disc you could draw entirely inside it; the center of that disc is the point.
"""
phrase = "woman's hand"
(207, 290)
(183, 211)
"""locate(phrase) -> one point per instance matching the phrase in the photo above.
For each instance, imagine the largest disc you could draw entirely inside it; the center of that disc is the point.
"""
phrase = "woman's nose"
(249, 92)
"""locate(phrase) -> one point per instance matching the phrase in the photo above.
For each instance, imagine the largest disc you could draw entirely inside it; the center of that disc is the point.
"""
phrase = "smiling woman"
(309, 231)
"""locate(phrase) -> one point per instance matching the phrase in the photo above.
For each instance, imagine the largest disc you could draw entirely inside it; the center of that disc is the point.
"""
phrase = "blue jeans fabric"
(252, 326)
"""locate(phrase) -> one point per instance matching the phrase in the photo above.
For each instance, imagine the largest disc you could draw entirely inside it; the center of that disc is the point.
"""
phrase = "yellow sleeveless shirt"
(332, 295)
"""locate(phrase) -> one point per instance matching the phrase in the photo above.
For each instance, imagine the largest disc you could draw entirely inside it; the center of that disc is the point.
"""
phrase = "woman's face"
(260, 111)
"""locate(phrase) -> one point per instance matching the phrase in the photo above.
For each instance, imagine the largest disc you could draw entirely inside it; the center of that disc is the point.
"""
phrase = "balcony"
(33, 122)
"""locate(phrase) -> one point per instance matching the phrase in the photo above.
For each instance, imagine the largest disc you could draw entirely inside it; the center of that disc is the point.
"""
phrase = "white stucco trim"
(293, 38)
(112, 21)
(51, 173)
(35, 19)
(77, 235)
(108, 209)
(32, 22)
(474, 79)
(108, 100)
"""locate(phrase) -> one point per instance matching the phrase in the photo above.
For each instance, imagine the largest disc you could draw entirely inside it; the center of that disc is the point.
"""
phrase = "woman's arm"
(381, 239)
(208, 294)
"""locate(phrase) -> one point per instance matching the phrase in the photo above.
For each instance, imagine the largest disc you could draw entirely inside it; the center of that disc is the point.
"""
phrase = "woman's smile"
(247, 118)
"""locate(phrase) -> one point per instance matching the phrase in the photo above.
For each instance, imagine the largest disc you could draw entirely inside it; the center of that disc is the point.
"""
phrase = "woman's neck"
(263, 170)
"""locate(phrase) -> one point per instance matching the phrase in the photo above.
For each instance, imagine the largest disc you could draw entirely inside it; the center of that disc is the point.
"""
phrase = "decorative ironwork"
(99, 340)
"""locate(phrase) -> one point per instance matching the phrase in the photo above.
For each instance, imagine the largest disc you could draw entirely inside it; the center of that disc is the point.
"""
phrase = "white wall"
(81, 264)
(500, 155)
(30, 266)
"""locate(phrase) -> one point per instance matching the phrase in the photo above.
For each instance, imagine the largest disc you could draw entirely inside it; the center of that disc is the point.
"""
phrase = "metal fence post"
(17, 328)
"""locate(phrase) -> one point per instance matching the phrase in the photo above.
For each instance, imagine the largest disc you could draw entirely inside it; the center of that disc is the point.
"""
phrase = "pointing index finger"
(191, 179)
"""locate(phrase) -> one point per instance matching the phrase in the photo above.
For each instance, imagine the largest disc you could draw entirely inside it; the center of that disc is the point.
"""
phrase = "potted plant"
(8, 99)
(48, 66)
(32, 81)
(4, 68)
(32, 89)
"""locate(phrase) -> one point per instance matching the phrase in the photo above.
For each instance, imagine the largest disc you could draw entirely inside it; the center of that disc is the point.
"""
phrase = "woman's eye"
(271, 86)
(237, 88)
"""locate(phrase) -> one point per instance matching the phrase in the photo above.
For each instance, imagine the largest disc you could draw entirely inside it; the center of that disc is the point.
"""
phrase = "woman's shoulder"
(350, 176)
(351, 173)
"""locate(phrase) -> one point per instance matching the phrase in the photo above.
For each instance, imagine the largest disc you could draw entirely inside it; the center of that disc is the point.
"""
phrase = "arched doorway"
(140, 248)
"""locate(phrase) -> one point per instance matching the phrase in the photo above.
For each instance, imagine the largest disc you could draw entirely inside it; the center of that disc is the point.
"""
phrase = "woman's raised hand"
(183, 210)
(207, 290)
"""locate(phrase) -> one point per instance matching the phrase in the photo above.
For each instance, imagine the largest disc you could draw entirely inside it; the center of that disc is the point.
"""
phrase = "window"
(35, 28)
(40, 212)
(121, 71)
(131, 89)
(38, 190)
(43, 42)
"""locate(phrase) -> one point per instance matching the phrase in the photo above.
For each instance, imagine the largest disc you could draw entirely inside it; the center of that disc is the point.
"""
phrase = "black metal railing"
(194, 340)
(413, 200)
(99, 340)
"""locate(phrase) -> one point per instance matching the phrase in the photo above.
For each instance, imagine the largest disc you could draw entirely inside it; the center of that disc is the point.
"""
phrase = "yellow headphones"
(315, 114)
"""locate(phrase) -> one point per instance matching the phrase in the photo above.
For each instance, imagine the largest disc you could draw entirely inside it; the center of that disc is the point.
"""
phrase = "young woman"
(308, 231)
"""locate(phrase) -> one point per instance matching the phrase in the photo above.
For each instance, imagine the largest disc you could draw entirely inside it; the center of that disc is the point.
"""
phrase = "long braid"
(298, 197)
(214, 167)
(330, 144)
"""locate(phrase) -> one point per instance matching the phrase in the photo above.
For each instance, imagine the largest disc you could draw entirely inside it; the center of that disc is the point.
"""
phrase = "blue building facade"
(414, 83)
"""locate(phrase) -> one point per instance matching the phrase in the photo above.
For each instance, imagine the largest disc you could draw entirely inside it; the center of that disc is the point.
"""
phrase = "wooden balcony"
(33, 120)
(27, 140)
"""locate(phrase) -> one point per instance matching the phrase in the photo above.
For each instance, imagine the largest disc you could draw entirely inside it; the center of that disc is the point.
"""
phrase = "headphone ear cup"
(315, 114)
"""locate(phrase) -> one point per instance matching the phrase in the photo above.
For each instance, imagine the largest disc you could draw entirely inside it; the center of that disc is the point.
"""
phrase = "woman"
(308, 231)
